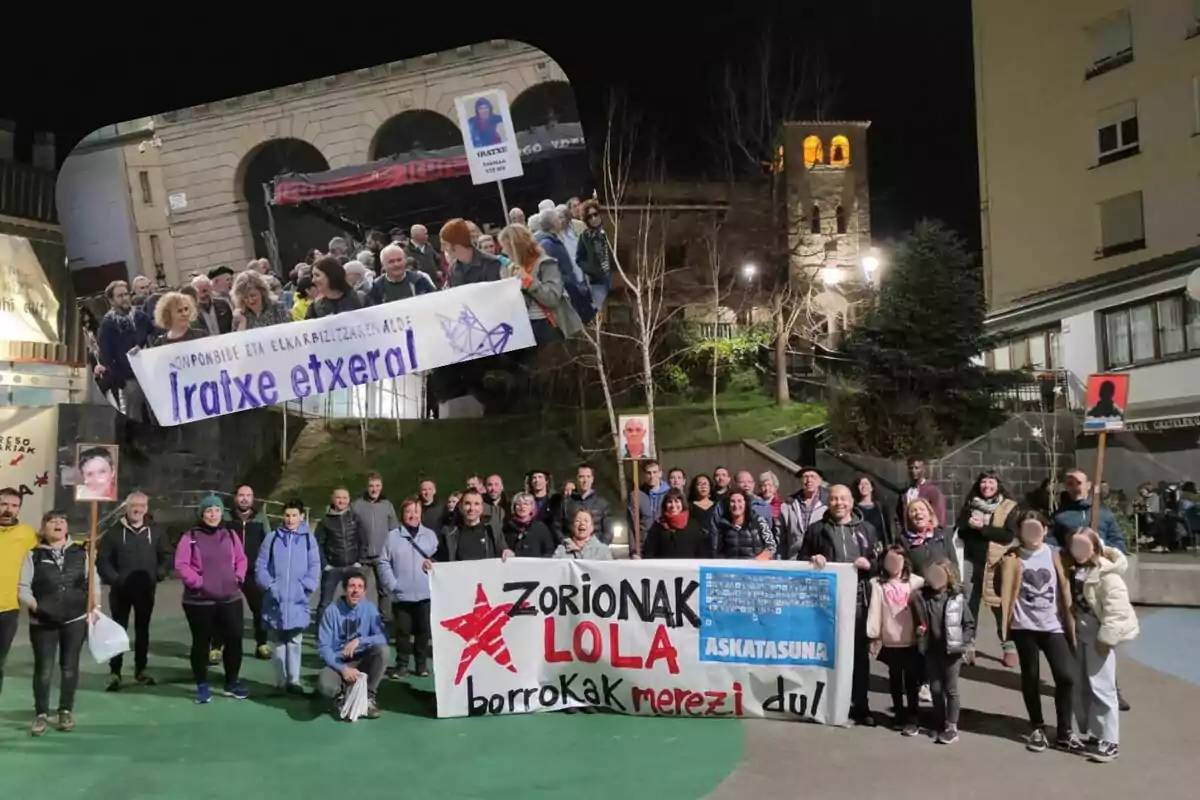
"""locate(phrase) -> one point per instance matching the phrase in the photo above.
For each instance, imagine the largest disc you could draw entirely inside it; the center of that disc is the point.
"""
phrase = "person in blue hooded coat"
(288, 570)
(404, 566)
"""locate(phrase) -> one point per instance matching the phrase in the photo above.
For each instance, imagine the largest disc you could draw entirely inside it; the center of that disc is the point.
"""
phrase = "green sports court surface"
(155, 742)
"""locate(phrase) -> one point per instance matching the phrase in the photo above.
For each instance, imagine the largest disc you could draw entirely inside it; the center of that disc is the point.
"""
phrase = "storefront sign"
(659, 638)
(1165, 424)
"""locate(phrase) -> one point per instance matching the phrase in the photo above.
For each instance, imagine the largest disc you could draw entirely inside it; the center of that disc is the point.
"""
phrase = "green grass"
(449, 450)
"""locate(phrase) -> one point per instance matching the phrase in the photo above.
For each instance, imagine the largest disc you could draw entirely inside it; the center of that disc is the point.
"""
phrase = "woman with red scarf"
(677, 534)
(923, 540)
(524, 534)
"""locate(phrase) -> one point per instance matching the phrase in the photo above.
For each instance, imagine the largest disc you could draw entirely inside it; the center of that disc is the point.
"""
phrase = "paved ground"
(157, 744)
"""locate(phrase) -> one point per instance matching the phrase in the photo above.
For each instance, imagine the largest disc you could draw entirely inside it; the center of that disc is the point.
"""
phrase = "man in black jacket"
(472, 539)
(585, 496)
(842, 537)
(132, 560)
(252, 526)
(342, 541)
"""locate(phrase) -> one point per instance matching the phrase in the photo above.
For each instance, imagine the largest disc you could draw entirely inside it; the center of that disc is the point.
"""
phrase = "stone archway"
(296, 232)
(415, 129)
(544, 103)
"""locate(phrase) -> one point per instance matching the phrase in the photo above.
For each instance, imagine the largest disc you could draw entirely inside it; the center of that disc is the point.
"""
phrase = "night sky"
(907, 67)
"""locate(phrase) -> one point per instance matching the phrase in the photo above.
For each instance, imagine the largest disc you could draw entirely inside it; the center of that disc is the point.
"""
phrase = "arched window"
(841, 219)
(814, 151)
(839, 152)
(814, 220)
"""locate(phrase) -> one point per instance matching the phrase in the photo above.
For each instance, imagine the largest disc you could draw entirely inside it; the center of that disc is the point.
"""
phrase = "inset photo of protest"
(457, 181)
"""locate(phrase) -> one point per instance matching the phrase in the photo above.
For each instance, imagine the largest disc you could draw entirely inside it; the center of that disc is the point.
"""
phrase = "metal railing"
(28, 192)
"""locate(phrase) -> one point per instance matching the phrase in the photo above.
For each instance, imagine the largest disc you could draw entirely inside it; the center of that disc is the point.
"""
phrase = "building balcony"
(27, 193)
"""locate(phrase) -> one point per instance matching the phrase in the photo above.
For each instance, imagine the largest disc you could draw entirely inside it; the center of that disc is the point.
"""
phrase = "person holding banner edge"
(843, 537)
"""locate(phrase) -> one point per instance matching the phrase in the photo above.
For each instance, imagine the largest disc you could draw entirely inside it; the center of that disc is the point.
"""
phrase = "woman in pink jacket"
(211, 562)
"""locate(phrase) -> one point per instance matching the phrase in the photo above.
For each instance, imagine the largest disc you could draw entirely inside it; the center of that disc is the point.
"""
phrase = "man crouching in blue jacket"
(350, 640)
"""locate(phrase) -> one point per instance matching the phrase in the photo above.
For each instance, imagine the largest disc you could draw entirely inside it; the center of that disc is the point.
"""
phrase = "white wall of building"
(1082, 349)
(94, 210)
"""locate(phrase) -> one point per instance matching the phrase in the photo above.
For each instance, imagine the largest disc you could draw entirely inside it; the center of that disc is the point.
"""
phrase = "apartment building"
(1088, 117)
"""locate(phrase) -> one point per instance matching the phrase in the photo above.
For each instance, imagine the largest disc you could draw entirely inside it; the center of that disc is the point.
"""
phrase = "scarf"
(675, 522)
(985, 506)
(776, 505)
(526, 280)
(599, 243)
(918, 537)
(522, 523)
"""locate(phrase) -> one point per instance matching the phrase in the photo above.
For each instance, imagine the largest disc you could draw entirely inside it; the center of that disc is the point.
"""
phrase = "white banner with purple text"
(668, 638)
(218, 375)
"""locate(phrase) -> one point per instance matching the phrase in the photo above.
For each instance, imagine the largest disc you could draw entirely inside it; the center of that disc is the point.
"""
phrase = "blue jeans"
(286, 655)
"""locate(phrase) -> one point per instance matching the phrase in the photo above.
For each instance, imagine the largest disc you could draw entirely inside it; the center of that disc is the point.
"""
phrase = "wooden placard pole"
(637, 517)
(92, 599)
(1101, 445)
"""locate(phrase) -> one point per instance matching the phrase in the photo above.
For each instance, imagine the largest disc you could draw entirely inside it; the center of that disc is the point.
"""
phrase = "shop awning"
(1161, 417)
(416, 167)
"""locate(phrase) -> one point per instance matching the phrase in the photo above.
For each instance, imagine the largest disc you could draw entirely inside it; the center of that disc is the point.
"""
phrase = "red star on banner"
(481, 630)
(42, 480)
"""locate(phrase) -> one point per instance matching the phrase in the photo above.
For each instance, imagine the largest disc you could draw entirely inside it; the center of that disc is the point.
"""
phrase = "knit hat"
(211, 500)
(217, 272)
(456, 232)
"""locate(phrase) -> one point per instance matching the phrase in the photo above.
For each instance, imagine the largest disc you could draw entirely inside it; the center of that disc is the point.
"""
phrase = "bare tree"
(594, 334)
(712, 243)
(755, 96)
(644, 281)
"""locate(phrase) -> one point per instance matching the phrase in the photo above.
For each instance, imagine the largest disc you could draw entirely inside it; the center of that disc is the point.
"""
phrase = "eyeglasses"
(594, 215)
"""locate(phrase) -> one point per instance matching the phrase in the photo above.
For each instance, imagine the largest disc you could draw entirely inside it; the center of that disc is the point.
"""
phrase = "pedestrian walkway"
(156, 743)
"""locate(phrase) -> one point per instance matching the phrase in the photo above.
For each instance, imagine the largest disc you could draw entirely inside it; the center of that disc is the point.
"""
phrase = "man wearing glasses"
(594, 255)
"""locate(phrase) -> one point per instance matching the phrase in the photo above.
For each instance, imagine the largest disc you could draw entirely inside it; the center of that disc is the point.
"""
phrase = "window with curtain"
(1170, 326)
(1142, 333)
(1193, 325)
(1158, 328)
(1037, 351)
(1116, 338)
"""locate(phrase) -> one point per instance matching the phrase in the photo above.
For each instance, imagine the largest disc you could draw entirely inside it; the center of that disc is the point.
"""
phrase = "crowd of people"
(561, 255)
(1052, 585)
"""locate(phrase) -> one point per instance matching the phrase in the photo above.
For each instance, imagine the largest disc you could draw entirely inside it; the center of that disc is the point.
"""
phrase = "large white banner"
(209, 377)
(28, 451)
(665, 638)
(488, 136)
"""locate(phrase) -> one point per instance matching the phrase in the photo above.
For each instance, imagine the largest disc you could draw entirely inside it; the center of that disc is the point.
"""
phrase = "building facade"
(183, 174)
(1088, 118)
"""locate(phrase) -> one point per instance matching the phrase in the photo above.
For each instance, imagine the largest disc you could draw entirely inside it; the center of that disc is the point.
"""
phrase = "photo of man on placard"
(1107, 398)
(637, 437)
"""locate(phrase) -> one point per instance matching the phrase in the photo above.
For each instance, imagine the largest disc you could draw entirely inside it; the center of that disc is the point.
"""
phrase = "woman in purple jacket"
(211, 562)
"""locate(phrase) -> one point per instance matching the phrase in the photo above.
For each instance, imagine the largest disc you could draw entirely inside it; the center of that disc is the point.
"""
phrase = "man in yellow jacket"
(16, 540)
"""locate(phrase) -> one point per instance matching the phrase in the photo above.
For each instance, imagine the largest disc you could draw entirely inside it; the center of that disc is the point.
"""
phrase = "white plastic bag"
(355, 704)
(106, 639)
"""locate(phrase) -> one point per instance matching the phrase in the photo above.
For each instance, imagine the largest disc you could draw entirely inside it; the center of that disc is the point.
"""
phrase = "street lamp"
(749, 271)
(870, 264)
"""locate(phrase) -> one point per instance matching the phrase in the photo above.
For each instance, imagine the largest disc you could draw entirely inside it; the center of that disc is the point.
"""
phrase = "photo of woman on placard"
(96, 471)
(487, 127)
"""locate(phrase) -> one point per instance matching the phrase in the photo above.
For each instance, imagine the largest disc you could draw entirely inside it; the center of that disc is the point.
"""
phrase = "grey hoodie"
(378, 517)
